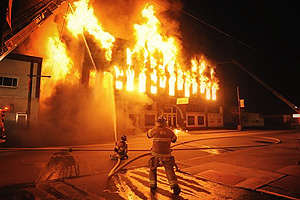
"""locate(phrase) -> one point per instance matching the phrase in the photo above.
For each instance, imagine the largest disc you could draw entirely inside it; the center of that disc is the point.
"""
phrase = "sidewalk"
(284, 182)
(270, 169)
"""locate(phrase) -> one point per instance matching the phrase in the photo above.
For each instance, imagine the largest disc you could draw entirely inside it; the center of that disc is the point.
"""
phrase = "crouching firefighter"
(120, 150)
(161, 154)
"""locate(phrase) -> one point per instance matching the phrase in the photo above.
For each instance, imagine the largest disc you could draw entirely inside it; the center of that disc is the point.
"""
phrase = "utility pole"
(29, 94)
(28, 112)
(239, 106)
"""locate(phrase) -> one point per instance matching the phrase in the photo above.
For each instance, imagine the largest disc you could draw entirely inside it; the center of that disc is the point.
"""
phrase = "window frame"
(13, 79)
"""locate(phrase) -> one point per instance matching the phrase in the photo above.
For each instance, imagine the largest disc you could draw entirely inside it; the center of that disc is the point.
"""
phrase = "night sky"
(266, 42)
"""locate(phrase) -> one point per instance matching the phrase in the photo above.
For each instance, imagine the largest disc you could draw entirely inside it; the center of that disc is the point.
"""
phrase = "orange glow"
(153, 58)
(142, 82)
(162, 81)
(82, 19)
(187, 85)
(153, 82)
(128, 52)
(61, 63)
(130, 79)
(58, 64)
(92, 78)
(172, 81)
(214, 91)
(119, 75)
(208, 92)
(180, 80)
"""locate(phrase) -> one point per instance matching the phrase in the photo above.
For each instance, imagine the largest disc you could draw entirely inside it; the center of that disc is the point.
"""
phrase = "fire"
(119, 76)
(153, 82)
(142, 82)
(152, 61)
(156, 55)
(130, 79)
(58, 60)
(82, 19)
(58, 64)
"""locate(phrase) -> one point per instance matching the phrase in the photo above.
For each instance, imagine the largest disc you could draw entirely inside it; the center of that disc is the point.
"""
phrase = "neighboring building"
(280, 121)
(20, 77)
(252, 120)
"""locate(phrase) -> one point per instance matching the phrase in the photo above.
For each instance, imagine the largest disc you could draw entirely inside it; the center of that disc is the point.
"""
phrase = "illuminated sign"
(296, 115)
(184, 100)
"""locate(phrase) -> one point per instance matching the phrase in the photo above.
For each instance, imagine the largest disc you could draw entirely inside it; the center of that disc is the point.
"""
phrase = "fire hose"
(117, 168)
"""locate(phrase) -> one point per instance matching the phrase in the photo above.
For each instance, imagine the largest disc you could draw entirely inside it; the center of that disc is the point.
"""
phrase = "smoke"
(118, 17)
(137, 103)
(71, 113)
(74, 114)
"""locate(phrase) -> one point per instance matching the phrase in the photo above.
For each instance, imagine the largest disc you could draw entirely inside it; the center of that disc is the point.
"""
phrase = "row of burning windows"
(172, 86)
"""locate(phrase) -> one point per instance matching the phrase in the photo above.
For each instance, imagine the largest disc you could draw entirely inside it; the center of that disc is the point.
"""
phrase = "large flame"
(153, 59)
(82, 19)
(158, 57)
(59, 65)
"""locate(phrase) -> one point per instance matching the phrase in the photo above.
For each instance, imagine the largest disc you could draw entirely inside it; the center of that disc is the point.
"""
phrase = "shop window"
(191, 120)
(200, 120)
(174, 110)
(174, 121)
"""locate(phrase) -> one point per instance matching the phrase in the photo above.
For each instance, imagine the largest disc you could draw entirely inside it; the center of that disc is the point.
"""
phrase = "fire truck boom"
(26, 24)
(282, 98)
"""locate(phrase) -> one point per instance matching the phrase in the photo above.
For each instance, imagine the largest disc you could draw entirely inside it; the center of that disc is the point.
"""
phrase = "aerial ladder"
(28, 22)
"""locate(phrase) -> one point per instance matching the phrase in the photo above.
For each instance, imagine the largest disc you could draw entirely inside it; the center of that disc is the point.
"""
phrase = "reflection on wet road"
(134, 184)
(61, 165)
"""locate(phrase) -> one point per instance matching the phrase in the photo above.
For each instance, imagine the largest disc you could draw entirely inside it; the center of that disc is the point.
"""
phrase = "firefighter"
(161, 154)
(121, 149)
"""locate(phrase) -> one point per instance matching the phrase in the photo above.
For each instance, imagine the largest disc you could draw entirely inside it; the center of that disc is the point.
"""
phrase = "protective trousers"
(168, 163)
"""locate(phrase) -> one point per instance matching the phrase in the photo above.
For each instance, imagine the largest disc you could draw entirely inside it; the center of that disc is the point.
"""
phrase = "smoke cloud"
(71, 113)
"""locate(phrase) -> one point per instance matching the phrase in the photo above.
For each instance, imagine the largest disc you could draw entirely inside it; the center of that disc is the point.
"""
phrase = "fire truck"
(2, 128)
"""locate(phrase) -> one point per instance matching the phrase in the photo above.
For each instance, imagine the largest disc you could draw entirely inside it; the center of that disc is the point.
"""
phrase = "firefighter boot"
(153, 188)
(176, 190)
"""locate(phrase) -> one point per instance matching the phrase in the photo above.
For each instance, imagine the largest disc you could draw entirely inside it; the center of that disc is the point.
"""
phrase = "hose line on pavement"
(116, 168)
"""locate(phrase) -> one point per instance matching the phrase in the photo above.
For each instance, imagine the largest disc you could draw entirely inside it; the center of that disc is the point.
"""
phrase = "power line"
(214, 28)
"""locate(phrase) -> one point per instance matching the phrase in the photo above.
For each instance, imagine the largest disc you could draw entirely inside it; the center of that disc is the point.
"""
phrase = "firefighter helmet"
(161, 119)
(124, 137)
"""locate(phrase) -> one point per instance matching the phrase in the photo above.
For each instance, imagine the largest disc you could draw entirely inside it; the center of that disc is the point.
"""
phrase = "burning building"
(142, 69)
(150, 77)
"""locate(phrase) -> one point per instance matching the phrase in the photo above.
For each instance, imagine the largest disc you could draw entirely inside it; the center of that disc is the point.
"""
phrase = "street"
(213, 164)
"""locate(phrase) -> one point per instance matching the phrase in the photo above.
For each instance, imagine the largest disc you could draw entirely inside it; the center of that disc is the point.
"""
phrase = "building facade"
(20, 79)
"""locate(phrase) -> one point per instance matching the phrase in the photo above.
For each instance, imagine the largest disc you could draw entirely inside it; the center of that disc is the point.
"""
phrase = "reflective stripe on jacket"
(162, 138)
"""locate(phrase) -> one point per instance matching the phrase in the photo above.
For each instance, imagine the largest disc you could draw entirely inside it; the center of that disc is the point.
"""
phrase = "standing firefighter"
(161, 153)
